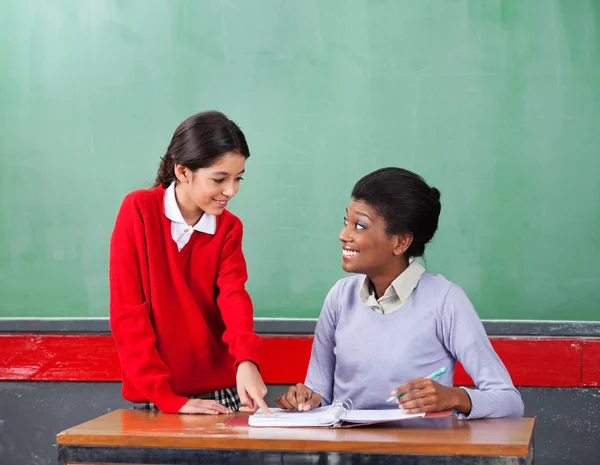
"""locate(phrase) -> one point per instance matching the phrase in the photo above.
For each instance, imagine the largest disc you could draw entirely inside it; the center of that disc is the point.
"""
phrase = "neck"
(189, 210)
(381, 281)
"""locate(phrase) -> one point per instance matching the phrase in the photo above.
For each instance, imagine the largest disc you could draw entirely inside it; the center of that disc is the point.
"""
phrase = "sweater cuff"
(248, 351)
(168, 402)
(475, 405)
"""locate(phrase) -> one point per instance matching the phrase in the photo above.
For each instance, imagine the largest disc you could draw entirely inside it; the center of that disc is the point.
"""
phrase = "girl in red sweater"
(179, 311)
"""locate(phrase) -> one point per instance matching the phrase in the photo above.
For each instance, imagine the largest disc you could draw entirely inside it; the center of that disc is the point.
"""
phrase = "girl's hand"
(251, 388)
(207, 407)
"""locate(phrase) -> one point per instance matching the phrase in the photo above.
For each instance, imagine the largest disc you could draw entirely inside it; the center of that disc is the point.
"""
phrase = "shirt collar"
(402, 287)
(206, 224)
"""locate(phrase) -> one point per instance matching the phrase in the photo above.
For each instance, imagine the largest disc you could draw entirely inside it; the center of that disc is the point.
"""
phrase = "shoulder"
(139, 199)
(451, 297)
(441, 293)
(134, 214)
(345, 290)
(350, 284)
(228, 222)
(437, 285)
(341, 299)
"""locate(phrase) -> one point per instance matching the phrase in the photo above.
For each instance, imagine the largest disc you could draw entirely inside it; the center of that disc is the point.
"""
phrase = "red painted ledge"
(541, 362)
(591, 363)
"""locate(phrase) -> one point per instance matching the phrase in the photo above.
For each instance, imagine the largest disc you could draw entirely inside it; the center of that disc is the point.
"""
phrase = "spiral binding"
(345, 404)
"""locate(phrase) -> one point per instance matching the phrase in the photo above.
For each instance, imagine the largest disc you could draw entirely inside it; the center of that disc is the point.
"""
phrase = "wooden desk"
(144, 437)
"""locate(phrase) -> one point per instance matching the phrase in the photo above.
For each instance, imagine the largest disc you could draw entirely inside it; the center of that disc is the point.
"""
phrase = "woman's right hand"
(299, 397)
(207, 407)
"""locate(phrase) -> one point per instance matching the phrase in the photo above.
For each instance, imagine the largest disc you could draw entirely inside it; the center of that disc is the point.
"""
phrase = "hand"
(299, 397)
(208, 407)
(424, 395)
(251, 388)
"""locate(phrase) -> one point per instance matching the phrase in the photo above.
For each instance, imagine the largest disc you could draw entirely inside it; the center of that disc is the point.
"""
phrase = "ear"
(182, 173)
(403, 242)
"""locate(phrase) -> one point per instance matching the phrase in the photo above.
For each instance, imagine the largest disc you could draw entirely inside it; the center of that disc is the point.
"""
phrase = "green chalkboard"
(496, 103)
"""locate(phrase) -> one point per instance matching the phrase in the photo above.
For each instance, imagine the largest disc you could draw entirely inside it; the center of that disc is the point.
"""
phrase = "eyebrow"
(359, 213)
(225, 173)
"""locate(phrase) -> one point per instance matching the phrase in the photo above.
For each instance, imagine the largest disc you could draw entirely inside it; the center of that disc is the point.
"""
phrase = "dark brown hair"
(198, 142)
(405, 202)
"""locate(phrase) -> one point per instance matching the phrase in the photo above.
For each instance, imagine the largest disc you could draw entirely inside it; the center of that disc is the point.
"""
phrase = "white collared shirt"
(397, 294)
(180, 230)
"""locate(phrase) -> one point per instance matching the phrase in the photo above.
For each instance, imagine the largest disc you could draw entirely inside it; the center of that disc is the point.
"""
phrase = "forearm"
(497, 403)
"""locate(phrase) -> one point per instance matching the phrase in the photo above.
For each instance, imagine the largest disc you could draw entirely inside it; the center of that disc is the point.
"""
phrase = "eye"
(219, 181)
(238, 179)
(345, 221)
(360, 226)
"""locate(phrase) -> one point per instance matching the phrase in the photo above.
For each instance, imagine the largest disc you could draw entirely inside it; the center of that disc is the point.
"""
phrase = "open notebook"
(337, 415)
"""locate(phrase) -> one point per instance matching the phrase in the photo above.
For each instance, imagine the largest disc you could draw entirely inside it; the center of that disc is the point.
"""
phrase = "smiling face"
(210, 189)
(366, 246)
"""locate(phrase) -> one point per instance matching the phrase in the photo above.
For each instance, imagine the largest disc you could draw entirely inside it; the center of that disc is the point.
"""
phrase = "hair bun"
(435, 193)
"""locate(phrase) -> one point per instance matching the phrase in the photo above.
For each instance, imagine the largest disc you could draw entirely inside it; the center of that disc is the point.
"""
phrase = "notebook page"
(322, 416)
(368, 416)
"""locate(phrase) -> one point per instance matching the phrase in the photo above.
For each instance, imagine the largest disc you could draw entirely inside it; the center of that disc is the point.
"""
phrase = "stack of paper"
(328, 416)
(322, 416)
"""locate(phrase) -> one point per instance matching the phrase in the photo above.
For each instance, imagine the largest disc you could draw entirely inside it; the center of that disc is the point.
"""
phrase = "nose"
(230, 189)
(344, 235)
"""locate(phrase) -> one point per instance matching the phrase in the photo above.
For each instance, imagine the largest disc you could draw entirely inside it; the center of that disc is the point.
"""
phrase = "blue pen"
(434, 375)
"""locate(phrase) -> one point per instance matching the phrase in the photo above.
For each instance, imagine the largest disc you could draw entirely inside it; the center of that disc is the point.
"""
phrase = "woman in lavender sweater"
(383, 329)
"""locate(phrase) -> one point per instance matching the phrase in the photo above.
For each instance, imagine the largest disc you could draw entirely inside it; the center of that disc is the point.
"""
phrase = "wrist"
(461, 402)
(247, 363)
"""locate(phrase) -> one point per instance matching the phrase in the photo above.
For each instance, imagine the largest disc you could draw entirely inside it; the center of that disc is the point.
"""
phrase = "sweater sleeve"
(466, 339)
(233, 300)
(320, 375)
(130, 312)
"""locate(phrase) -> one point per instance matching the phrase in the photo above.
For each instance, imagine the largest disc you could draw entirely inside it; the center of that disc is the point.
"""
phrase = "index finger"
(411, 385)
(301, 396)
(313, 402)
(219, 407)
(263, 406)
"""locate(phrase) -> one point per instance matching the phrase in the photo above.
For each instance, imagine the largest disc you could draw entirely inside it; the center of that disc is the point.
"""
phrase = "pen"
(434, 375)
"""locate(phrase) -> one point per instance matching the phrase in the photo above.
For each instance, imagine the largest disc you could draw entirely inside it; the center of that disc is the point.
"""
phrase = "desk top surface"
(134, 428)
